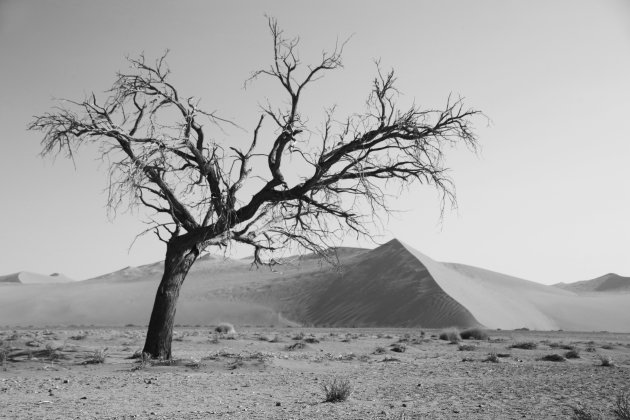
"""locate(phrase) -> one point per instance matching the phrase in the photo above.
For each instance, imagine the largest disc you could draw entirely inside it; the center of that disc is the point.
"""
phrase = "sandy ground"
(253, 375)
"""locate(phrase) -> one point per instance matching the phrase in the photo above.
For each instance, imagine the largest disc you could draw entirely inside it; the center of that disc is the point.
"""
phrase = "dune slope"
(501, 301)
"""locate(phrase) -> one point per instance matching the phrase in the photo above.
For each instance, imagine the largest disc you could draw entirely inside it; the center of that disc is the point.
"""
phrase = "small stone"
(404, 405)
(278, 404)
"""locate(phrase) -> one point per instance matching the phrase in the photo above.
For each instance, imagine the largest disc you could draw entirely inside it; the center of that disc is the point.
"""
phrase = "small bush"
(582, 413)
(380, 350)
(225, 328)
(561, 346)
(451, 335)
(97, 357)
(298, 345)
(553, 358)
(311, 340)
(474, 333)
(4, 353)
(525, 345)
(398, 347)
(467, 347)
(298, 337)
(606, 360)
(492, 358)
(622, 407)
(572, 354)
(336, 390)
(80, 336)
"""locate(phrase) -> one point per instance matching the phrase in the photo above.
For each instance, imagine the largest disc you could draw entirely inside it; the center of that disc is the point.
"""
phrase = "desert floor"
(254, 374)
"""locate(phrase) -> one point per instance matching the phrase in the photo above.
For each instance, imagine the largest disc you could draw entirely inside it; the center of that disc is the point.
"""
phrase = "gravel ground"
(53, 374)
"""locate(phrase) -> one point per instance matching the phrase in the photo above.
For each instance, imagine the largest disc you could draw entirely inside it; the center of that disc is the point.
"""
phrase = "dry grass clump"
(525, 345)
(492, 358)
(336, 390)
(606, 360)
(475, 333)
(97, 357)
(582, 413)
(561, 346)
(467, 347)
(81, 336)
(622, 407)
(298, 345)
(311, 340)
(4, 352)
(572, 354)
(450, 335)
(398, 347)
(380, 350)
(225, 328)
(553, 358)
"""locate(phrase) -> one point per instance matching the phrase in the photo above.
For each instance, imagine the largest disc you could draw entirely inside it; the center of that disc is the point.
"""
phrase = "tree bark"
(178, 261)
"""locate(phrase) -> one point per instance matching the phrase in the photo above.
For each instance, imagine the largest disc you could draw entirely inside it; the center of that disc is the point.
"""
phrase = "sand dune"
(608, 283)
(26, 277)
(392, 285)
(501, 301)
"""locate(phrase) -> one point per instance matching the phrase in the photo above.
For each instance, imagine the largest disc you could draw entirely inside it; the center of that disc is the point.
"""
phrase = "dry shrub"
(97, 357)
(561, 346)
(474, 333)
(525, 345)
(572, 354)
(311, 340)
(450, 335)
(467, 347)
(582, 413)
(622, 407)
(225, 328)
(298, 345)
(492, 358)
(380, 350)
(553, 358)
(398, 348)
(336, 390)
(606, 360)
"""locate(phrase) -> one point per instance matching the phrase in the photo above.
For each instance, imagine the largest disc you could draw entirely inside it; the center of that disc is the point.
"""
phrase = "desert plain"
(279, 373)
(388, 325)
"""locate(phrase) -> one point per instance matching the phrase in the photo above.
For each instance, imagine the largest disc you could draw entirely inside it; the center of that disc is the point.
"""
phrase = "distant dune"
(392, 285)
(608, 283)
(26, 277)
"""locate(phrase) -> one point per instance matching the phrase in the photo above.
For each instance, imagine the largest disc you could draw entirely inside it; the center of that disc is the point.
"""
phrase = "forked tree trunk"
(178, 261)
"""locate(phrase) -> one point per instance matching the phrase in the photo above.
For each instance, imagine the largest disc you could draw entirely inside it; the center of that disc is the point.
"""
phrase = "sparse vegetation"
(582, 413)
(467, 347)
(492, 358)
(553, 358)
(398, 347)
(606, 360)
(572, 354)
(336, 390)
(561, 346)
(451, 335)
(298, 345)
(225, 328)
(525, 345)
(311, 340)
(81, 336)
(380, 350)
(622, 407)
(474, 334)
(96, 357)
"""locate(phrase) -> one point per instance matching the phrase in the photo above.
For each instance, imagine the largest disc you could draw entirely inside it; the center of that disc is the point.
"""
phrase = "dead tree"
(201, 193)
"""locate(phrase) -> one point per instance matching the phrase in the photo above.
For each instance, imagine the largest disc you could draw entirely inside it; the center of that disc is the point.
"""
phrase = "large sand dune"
(392, 285)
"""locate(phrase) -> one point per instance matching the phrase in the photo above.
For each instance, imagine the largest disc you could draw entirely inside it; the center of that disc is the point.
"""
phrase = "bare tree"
(161, 158)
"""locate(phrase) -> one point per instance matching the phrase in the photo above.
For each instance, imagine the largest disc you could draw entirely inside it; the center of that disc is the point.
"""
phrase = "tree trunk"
(178, 261)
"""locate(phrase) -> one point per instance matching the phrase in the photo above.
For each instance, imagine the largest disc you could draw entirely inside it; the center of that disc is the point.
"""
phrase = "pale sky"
(547, 198)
